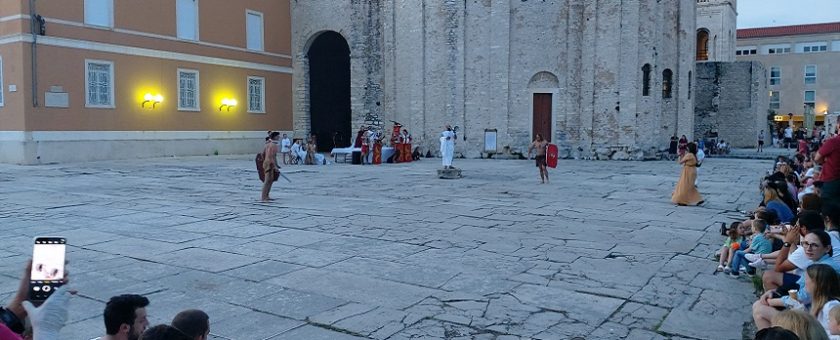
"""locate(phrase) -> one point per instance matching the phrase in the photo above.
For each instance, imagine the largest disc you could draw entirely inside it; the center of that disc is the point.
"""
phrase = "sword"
(284, 177)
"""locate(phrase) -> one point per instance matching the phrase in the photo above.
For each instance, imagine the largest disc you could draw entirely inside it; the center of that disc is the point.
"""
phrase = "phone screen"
(47, 266)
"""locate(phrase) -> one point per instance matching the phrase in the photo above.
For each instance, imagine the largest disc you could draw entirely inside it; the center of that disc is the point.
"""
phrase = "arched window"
(667, 83)
(702, 44)
(646, 80)
(689, 84)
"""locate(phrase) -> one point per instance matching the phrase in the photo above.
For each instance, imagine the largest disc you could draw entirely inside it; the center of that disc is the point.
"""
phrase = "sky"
(763, 13)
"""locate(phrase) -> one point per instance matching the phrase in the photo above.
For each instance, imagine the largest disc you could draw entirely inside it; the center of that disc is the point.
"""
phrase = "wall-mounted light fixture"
(227, 103)
(153, 99)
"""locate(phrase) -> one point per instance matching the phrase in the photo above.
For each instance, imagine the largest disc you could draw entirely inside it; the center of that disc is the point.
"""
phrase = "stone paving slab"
(390, 252)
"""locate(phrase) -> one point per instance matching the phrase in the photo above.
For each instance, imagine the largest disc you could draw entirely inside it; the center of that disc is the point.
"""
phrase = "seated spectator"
(823, 286)
(791, 260)
(810, 202)
(834, 321)
(775, 333)
(46, 320)
(810, 183)
(818, 250)
(773, 202)
(793, 186)
(803, 324)
(125, 317)
(831, 216)
(195, 324)
(728, 250)
(759, 244)
(163, 332)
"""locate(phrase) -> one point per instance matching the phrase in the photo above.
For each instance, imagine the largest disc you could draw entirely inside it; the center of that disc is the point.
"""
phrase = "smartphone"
(48, 273)
(776, 229)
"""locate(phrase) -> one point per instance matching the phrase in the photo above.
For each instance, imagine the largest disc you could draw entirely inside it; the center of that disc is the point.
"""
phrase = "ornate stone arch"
(545, 80)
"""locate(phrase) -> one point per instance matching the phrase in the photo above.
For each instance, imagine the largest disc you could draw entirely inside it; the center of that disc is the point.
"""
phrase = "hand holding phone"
(48, 272)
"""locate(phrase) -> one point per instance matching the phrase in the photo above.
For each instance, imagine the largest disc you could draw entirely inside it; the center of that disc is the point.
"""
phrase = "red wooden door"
(542, 116)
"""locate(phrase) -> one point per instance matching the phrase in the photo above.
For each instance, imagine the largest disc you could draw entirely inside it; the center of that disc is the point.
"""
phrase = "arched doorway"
(702, 44)
(543, 87)
(329, 90)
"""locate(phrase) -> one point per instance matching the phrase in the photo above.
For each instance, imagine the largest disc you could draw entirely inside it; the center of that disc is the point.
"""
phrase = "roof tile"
(764, 32)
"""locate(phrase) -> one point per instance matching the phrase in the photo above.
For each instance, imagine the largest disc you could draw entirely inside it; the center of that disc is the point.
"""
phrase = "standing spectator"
(761, 141)
(194, 323)
(683, 144)
(802, 148)
(829, 157)
(285, 149)
(125, 317)
(672, 148)
(788, 137)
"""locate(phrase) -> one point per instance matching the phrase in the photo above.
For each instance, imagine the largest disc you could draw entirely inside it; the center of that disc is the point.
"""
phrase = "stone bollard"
(449, 173)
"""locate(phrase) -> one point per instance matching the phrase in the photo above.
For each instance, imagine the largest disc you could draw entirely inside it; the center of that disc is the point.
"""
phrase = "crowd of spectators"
(124, 318)
(791, 244)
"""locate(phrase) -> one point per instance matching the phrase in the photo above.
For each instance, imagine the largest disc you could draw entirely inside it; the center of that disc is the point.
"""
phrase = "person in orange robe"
(686, 192)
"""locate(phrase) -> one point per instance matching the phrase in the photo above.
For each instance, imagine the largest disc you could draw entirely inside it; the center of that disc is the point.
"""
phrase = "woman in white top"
(822, 283)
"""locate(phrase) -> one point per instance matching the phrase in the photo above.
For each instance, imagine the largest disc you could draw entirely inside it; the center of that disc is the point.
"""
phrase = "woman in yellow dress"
(686, 192)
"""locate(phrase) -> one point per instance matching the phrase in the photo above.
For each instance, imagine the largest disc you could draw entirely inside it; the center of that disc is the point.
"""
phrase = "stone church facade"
(604, 79)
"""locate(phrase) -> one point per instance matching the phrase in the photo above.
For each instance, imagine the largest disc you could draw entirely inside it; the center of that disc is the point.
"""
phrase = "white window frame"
(197, 26)
(112, 105)
(778, 78)
(110, 13)
(262, 94)
(804, 100)
(197, 107)
(813, 47)
(2, 86)
(778, 101)
(262, 30)
(806, 76)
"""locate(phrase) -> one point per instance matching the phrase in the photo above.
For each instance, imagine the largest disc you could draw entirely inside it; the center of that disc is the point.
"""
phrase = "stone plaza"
(390, 252)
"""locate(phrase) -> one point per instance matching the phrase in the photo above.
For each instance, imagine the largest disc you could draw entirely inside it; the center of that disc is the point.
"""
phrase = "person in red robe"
(405, 152)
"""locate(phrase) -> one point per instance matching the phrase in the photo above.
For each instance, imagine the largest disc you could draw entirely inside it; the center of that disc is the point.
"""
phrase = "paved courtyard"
(390, 252)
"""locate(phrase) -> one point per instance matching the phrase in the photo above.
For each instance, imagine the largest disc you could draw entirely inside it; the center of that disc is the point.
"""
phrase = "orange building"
(104, 79)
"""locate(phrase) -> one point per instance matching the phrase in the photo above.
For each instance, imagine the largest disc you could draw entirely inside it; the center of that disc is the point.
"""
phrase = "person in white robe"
(447, 146)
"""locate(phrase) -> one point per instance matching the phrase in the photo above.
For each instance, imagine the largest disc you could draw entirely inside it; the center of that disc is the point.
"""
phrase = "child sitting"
(728, 250)
(759, 244)
(833, 328)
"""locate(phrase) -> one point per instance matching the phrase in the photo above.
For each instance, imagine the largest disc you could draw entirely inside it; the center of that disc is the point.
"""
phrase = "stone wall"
(731, 99)
(472, 63)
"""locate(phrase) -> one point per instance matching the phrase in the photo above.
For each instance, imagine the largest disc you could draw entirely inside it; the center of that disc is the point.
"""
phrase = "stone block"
(449, 173)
